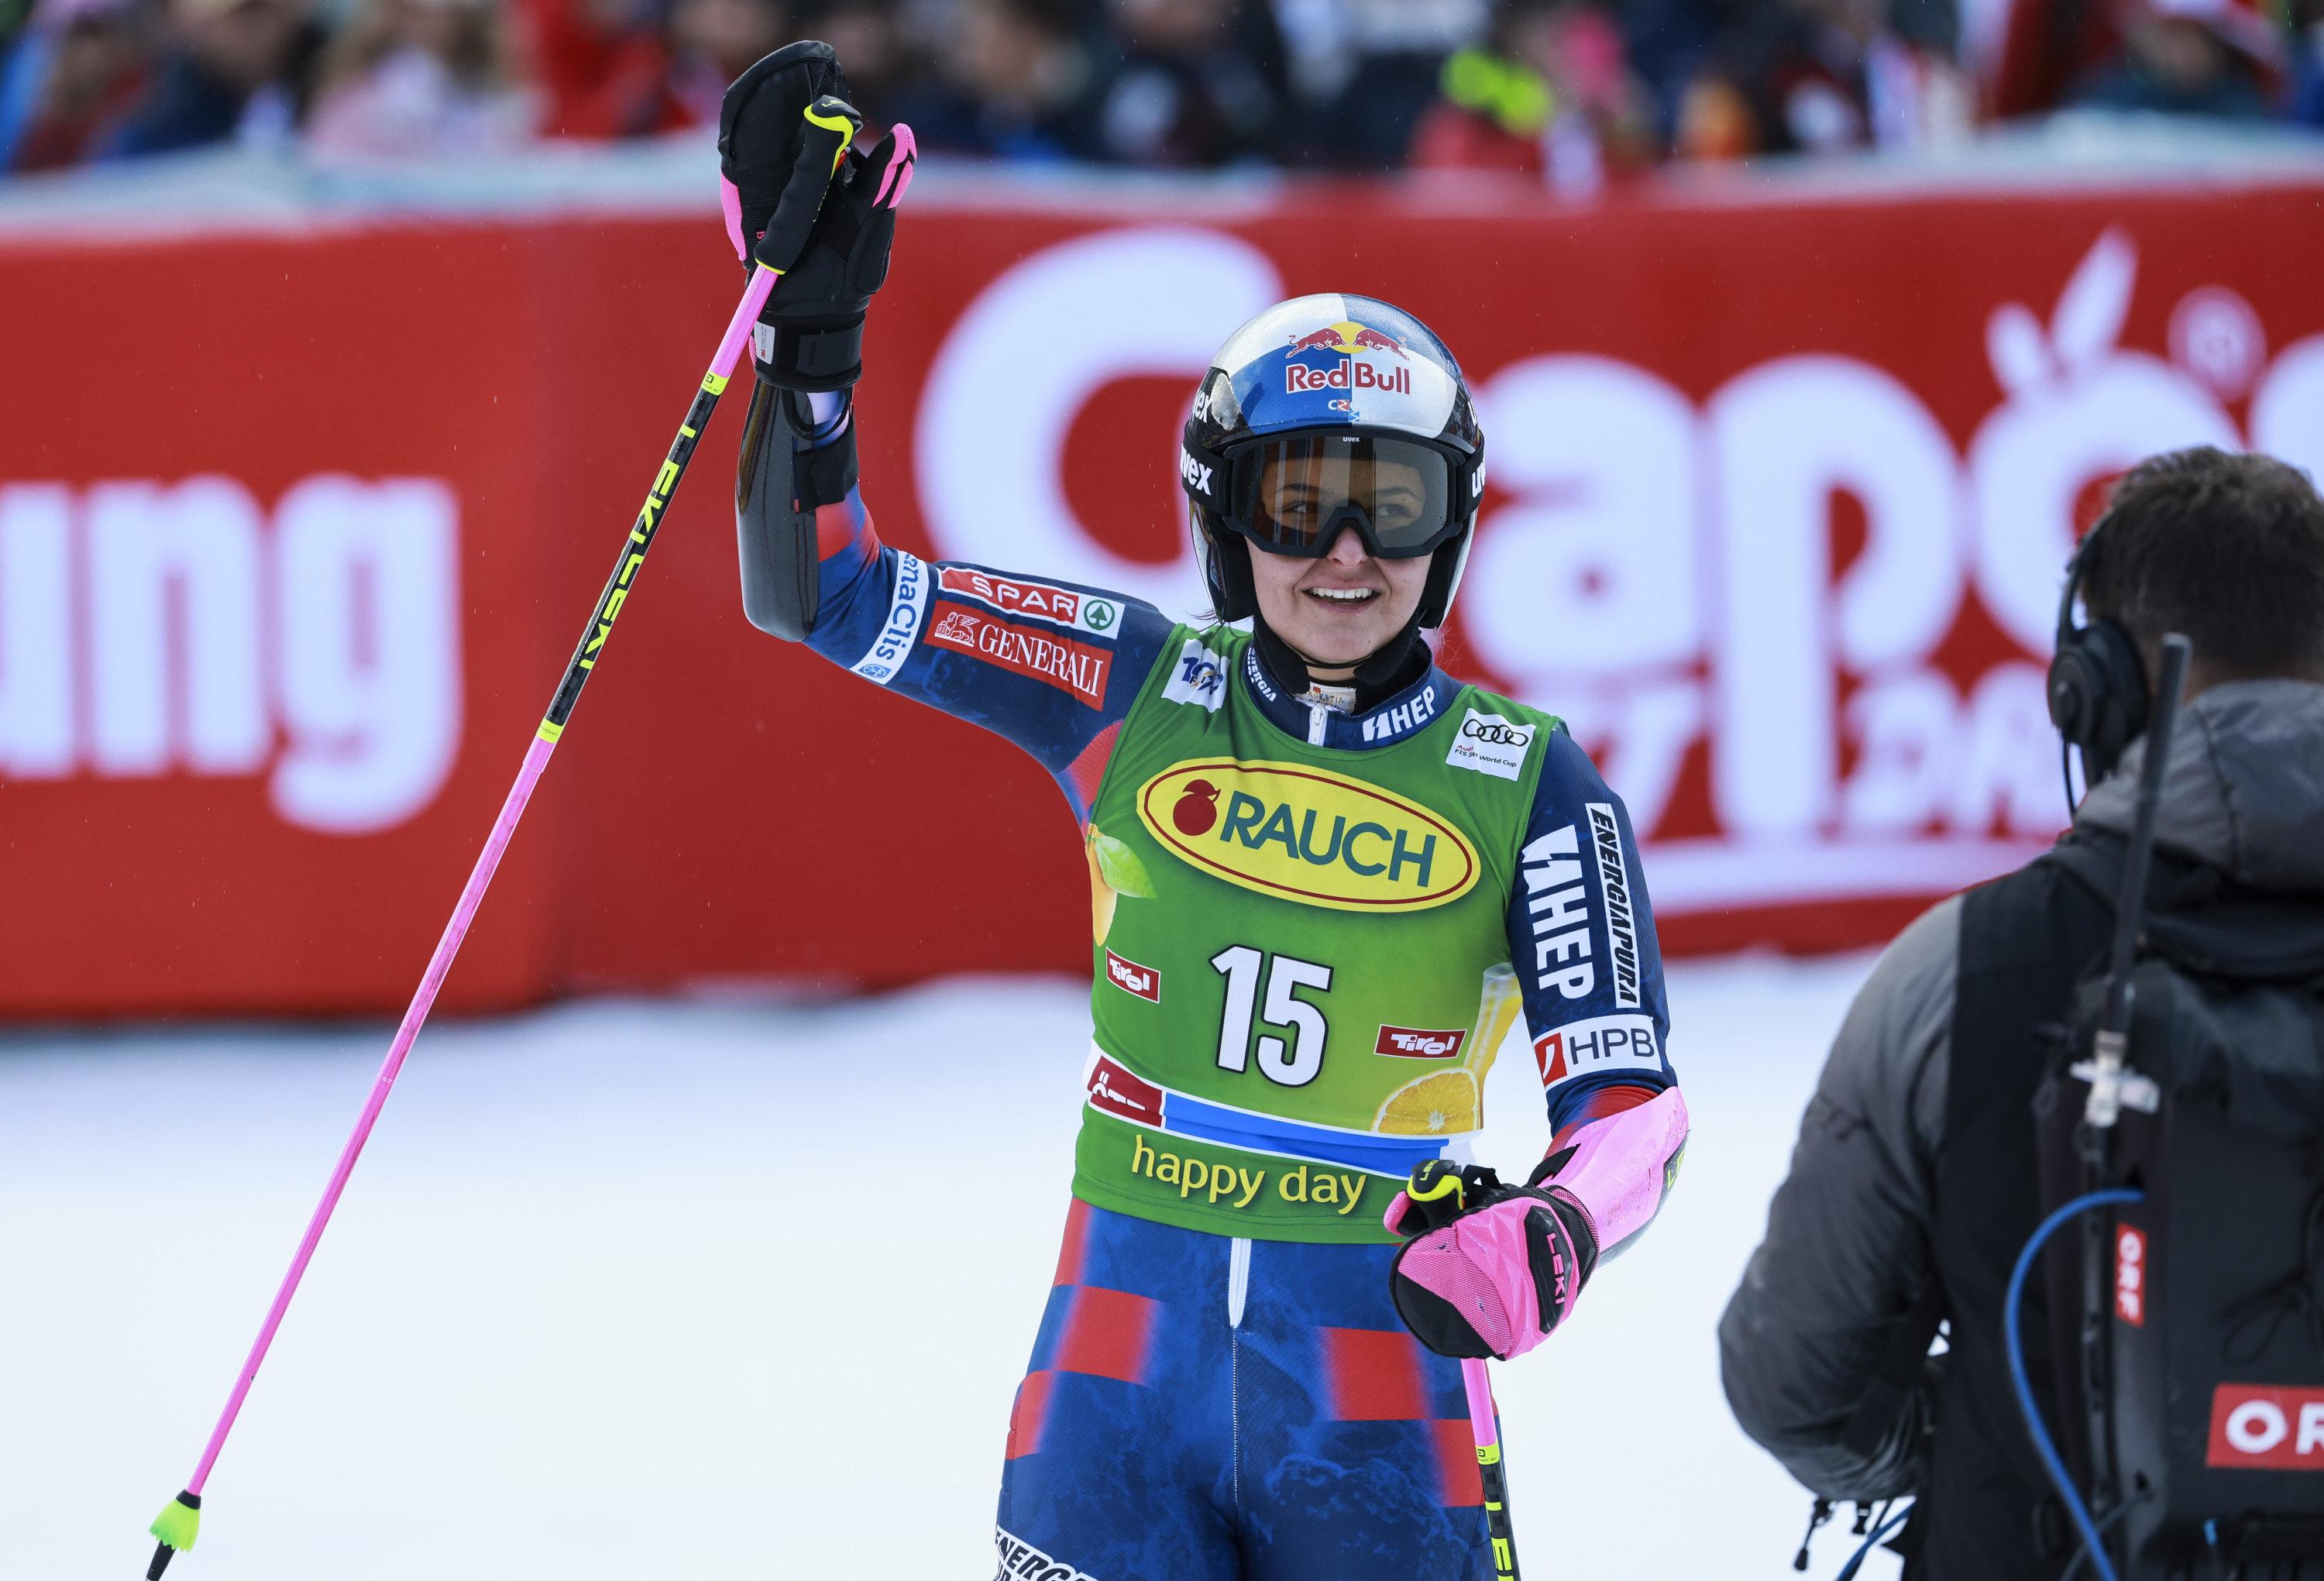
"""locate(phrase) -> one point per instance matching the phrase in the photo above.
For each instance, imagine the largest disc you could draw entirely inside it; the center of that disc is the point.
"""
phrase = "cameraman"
(1914, 1186)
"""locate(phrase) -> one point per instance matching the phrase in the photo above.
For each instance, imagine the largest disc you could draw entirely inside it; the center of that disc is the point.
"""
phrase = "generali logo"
(1309, 836)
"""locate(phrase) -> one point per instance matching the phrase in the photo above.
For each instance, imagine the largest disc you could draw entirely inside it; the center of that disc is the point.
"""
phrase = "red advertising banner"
(296, 531)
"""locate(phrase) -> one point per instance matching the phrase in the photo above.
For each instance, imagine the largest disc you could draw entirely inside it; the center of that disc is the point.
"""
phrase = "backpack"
(2194, 1358)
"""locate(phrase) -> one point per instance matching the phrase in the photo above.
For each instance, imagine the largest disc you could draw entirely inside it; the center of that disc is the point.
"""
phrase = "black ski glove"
(801, 197)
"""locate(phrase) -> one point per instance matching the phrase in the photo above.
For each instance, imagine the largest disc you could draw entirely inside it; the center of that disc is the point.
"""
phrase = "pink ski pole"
(1485, 1429)
(180, 1518)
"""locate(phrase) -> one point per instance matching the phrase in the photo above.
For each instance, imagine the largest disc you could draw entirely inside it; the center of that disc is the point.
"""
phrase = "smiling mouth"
(1345, 596)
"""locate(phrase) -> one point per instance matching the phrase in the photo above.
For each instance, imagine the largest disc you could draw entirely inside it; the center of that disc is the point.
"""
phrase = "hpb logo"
(1307, 835)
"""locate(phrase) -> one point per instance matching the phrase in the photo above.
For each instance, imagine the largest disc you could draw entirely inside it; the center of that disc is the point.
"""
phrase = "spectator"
(1198, 83)
(235, 70)
(421, 78)
(870, 38)
(1365, 72)
(2308, 66)
(1550, 94)
(1823, 76)
(76, 69)
(715, 41)
(2218, 59)
(609, 70)
(1015, 85)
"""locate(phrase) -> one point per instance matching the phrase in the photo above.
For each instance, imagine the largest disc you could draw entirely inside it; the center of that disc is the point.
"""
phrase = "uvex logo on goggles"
(1307, 835)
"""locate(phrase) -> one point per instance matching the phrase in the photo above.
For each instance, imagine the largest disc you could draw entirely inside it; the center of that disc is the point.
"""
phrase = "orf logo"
(2130, 1276)
(2257, 1427)
(1307, 835)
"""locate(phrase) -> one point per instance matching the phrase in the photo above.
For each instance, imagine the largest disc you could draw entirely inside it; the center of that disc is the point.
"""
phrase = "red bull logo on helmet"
(1354, 343)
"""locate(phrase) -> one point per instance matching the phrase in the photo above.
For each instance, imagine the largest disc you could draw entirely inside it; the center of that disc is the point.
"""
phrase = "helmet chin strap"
(1387, 668)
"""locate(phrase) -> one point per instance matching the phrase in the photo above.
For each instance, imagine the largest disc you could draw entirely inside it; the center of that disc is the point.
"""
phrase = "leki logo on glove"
(1307, 835)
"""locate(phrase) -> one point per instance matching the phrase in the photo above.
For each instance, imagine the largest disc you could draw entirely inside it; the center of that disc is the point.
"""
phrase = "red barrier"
(293, 543)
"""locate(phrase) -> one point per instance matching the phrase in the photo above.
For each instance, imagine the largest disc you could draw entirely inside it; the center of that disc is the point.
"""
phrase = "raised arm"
(1049, 664)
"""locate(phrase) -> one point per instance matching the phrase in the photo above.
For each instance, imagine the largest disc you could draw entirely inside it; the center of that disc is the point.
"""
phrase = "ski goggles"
(1296, 493)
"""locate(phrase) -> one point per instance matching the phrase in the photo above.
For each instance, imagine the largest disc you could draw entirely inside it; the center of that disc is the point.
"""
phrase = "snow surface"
(699, 1290)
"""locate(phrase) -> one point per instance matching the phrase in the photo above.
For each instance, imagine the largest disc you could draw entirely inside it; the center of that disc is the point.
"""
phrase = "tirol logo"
(1307, 835)
(1412, 1043)
(2260, 1426)
(1139, 981)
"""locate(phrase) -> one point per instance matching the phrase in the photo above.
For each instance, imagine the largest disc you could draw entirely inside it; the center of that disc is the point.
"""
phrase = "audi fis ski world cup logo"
(1307, 835)
(1042, 601)
(1491, 744)
(1412, 1043)
(1352, 368)
(2257, 1427)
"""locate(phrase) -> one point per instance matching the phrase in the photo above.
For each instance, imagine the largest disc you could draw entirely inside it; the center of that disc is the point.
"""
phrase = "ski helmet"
(1344, 389)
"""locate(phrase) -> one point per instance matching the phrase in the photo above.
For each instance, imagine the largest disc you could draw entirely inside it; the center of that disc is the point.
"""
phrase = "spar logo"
(2257, 1427)
(1042, 601)
(1307, 835)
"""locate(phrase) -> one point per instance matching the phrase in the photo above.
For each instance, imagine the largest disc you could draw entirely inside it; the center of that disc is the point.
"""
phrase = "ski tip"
(176, 1527)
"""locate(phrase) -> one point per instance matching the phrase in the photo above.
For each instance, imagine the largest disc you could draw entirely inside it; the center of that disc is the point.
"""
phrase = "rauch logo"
(1307, 835)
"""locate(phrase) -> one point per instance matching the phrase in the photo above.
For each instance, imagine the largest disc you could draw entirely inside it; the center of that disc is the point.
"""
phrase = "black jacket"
(1851, 1241)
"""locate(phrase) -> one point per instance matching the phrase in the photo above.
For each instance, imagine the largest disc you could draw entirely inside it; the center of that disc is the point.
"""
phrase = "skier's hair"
(2226, 549)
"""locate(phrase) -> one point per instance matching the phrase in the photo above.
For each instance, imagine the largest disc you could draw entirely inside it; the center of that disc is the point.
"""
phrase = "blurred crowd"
(1574, 92)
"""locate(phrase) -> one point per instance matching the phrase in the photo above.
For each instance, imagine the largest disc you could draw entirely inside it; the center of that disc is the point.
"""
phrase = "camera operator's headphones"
(2097, 685)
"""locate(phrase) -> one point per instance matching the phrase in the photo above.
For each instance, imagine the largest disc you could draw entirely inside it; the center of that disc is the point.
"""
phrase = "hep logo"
(1197, 809)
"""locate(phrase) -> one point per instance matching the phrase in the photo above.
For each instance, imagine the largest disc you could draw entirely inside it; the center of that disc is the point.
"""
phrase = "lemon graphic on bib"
(1439, 1104)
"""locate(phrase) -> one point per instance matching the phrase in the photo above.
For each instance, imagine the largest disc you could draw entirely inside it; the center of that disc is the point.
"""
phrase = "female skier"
(1326, 876)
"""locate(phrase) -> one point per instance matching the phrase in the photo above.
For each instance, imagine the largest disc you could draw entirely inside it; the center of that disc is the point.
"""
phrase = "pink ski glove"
(1491, 1269)
(1488, 1269)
